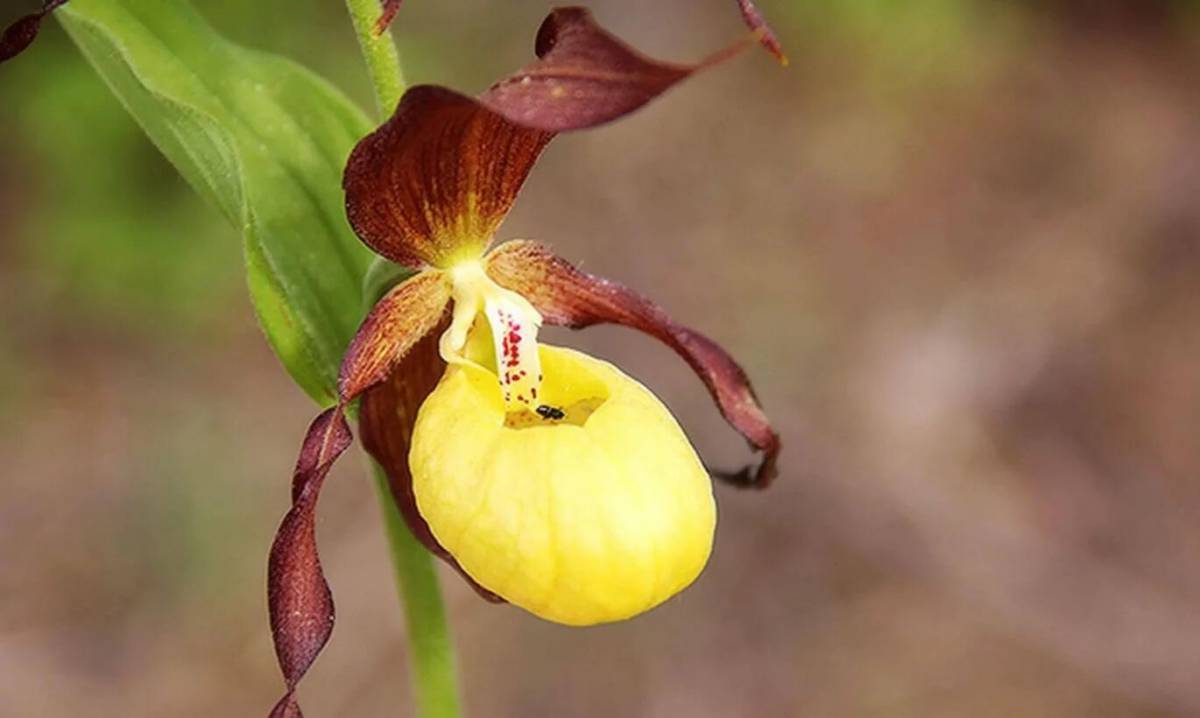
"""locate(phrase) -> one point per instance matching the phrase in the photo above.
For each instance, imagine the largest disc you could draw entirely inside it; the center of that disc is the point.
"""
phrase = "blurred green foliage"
(918, 35)
(114, 233)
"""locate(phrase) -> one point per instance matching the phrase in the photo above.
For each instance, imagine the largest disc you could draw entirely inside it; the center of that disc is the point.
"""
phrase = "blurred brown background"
(956, 245)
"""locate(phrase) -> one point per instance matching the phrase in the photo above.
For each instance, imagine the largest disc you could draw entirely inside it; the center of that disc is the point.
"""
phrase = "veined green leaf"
(264, 140)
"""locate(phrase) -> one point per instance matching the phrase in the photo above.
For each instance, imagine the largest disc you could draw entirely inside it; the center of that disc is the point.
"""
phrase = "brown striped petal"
(397, 322)
(21, 33)
(568, 297)
(298, 596)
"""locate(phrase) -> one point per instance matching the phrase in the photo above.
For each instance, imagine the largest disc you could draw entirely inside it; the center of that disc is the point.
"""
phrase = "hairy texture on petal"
(397, 322)
(386, 417)
(21, 33)
(298, 596)
(568, 297)
(766, 36)
(584, 76)
(390, 8)
(434, 182)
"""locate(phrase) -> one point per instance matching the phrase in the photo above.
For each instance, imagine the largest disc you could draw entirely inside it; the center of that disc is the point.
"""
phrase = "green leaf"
(264, 140)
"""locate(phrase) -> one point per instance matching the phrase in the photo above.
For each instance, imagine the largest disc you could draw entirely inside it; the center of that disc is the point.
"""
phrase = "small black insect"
(550, 412)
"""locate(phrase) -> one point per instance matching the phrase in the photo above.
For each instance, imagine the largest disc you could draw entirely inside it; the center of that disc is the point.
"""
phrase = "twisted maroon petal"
(568, 297)
(21, 33)
(298, 597)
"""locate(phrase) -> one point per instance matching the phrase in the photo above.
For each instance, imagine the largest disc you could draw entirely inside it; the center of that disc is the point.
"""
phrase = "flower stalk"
(434, 673)
(430, 648)
(379, 52)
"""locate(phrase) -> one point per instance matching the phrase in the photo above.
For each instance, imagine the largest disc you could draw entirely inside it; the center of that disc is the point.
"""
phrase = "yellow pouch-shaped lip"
(592, 516)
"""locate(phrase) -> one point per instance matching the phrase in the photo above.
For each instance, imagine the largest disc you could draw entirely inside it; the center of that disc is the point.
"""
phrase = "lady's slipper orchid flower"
(549, 478)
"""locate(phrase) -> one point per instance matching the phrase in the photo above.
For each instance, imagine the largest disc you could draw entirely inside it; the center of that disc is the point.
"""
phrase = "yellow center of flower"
(574, 495)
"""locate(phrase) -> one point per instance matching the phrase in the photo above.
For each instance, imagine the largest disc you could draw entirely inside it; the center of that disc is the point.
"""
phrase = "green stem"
(379, 50)
(431, 652)
(434, 675)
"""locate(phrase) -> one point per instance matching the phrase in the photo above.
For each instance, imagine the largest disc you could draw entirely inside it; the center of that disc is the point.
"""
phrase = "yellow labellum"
(591, 507)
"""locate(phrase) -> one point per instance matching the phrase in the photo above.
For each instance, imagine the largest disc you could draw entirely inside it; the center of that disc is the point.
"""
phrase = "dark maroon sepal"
(22, 33)
(584, 76)
(435, 181)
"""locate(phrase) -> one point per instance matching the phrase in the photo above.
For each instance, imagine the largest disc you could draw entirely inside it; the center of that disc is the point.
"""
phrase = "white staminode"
(514, 323)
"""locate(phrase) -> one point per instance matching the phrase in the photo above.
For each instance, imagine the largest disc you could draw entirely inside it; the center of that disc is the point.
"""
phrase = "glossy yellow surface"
(590, 517)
